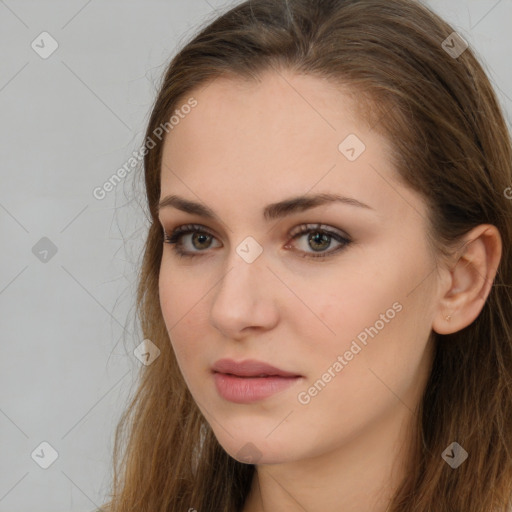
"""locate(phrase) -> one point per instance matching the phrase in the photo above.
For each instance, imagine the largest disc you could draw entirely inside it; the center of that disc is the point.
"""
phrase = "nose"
(245, 299)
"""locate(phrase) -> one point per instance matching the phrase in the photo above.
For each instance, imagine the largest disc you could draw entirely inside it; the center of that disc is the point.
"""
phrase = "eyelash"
(176, 235)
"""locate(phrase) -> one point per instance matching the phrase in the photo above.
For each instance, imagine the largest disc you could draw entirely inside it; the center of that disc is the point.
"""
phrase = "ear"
(466, 286)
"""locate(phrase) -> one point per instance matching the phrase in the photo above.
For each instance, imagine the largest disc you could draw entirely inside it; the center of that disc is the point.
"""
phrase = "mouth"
(245, 390)
(250, 381)
(250, 368)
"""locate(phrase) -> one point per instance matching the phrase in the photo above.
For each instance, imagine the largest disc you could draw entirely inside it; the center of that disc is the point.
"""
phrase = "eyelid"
(302, 228)
(297, 229)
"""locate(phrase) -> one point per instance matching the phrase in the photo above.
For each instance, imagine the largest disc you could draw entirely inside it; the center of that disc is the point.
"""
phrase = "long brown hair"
(450, 142)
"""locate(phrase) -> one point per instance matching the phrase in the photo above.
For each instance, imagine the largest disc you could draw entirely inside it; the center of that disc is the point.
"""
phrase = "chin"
(258, 451)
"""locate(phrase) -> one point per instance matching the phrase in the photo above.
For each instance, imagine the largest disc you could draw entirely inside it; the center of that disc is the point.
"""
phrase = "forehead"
(244, 115)
(276, 137)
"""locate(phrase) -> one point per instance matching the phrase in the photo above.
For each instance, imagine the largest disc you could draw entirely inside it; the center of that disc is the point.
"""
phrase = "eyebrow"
(271, 211)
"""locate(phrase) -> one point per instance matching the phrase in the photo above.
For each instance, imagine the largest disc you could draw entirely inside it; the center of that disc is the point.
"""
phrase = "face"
(338, 294)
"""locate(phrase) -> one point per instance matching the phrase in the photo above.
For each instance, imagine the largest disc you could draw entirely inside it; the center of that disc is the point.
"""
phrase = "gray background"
(68, 122)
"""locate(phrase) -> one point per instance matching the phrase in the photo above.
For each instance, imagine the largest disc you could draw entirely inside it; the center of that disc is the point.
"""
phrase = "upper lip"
(249, 368)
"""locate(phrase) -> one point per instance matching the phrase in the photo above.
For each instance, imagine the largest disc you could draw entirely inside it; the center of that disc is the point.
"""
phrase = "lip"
(249, 368)
(242, 382)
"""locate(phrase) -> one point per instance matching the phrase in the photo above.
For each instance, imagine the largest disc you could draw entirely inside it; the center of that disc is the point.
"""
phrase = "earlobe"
(469, 281)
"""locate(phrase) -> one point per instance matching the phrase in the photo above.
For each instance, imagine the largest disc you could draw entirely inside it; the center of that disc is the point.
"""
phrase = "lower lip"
(244, 390)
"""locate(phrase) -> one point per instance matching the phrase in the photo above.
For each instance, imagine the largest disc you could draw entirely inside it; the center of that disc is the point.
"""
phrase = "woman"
(327, 273)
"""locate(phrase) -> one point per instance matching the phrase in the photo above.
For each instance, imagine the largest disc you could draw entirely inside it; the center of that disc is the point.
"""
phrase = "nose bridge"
(246, 263)
(244, 272)
(244, 295)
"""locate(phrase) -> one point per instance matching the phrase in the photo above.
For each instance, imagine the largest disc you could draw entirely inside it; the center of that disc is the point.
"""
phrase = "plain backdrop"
(69, 261)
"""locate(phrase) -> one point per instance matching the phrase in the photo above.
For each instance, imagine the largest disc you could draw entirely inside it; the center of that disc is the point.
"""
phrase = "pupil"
(318, 237)
(202, 238)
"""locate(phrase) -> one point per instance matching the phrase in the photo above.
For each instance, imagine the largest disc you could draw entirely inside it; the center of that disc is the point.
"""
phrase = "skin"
(244, 146)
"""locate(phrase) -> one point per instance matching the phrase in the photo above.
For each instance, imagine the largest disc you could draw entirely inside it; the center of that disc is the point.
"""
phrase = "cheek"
(181, 292)
(383, 359)
(182, 303)
(375, 318)
(351, 304)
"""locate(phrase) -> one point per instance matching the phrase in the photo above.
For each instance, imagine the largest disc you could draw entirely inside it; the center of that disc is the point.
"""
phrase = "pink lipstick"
(250, 380)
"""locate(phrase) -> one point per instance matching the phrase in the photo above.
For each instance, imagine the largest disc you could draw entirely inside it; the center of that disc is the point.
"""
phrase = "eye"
(201, 239)
(319, 238)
